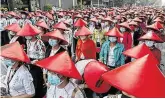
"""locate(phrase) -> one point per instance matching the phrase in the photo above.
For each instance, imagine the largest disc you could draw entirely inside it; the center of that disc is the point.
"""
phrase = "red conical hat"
(114, 32)
(140, 78)
(125, 24)
(159, 25)
(158, 20)
(61, 14)
(15, 52)
(60, 63)
(118, 17)
(94, 20)
(55, 34)
(42, 24)
(78, 16)
(138, 51)
(137, 20)
(151, 36)
(60, 25)
(49, 15)
(28, 30)
(80, 23)
(12, 13)
(92, 74)
(133, 23)
(13, 27)
(108, 19)
(52, 11)
(153, 26)
(83, 31)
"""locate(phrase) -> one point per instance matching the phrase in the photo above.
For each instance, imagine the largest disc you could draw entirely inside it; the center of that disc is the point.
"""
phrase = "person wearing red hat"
(35, 49)
(150, 39)
(24, 19)
(111, 50)
(11, 18)
(61, 71)
(127, 38)
(18, 81)
(140, 77)
(85, 48)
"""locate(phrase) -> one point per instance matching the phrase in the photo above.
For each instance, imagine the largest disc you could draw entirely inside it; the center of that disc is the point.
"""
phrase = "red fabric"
(88, 48)
(157, 53)
(127, 40)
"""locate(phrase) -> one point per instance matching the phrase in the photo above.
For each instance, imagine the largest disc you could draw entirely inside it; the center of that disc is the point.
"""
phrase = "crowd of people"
(114, 52)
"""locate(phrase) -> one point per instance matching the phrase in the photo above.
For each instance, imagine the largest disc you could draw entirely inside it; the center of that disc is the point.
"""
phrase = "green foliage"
(47, 7)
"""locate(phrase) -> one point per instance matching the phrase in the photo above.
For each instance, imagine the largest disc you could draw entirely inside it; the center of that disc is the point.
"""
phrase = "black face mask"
(124, 96)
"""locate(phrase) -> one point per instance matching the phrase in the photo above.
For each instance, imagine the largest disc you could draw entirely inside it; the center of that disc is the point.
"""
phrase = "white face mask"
(149, 43)
(53, 42)
(28, 37)
(122, 29)
(82, 37)
(9, 62)
(113, 39)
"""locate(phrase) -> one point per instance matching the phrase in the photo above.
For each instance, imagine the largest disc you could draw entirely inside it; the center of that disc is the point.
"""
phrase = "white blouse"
(66, 92)
(21, 82)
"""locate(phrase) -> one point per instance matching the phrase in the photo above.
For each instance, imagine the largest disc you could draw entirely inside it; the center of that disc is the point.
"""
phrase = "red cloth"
(127, 40)
(88, 48)
(157, 53)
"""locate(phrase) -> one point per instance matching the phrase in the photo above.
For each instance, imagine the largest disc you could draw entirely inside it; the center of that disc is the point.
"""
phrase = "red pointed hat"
(80, 23)
(125, 24)
(55, 34)
(15, 52)
(137, 20)
(13, 27)
(92, 74)
(60, 63)
(60, 25)
(94, 20)
(108, 19)
(118, 17)
(42, 24)
(158, 20)
(114, 32)
(153, 26)
(151, 36)
(28, 30)
(83, 31)
(159, 25)
(78, 16)
(141, 78)
(12, 13)
(133, 23)
(49, 15)
(138, 51)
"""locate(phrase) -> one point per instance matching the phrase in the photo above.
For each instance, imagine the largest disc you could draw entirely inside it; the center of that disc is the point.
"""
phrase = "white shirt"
(111, 58)
(3, 73)
(66, 92)
(21, 83)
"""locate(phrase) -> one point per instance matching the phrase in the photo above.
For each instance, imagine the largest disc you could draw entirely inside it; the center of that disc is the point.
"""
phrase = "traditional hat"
(141, 78)
(42, 24)
(108, 19)
(137, 20)
(83, 31)
(94, 20)
(60, 63)
(80, 23)
(125, 24)
(28, 30)
(138, 51)
(158, 20)
(12, 13)
(78, 16)
(158, 25)
(153, 26)
(55, 34)
(114, 32)
(61, 14)
(118, 17)
(60, 25)
(133, 23)
(13, 27)
(52, 11)
(15, 52)
(67, 22)
(49, 15)
(151, 36)
(92, 74)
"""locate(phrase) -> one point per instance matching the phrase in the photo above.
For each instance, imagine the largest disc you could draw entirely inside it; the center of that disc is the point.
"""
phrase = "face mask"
(12, 33)
(113, 39)
(149, 43)
(53, 42)
(106, 23)
(28, 37)
(23, 16)
(99, 21)
(8, 62)
(54, 79)
(122, 29)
